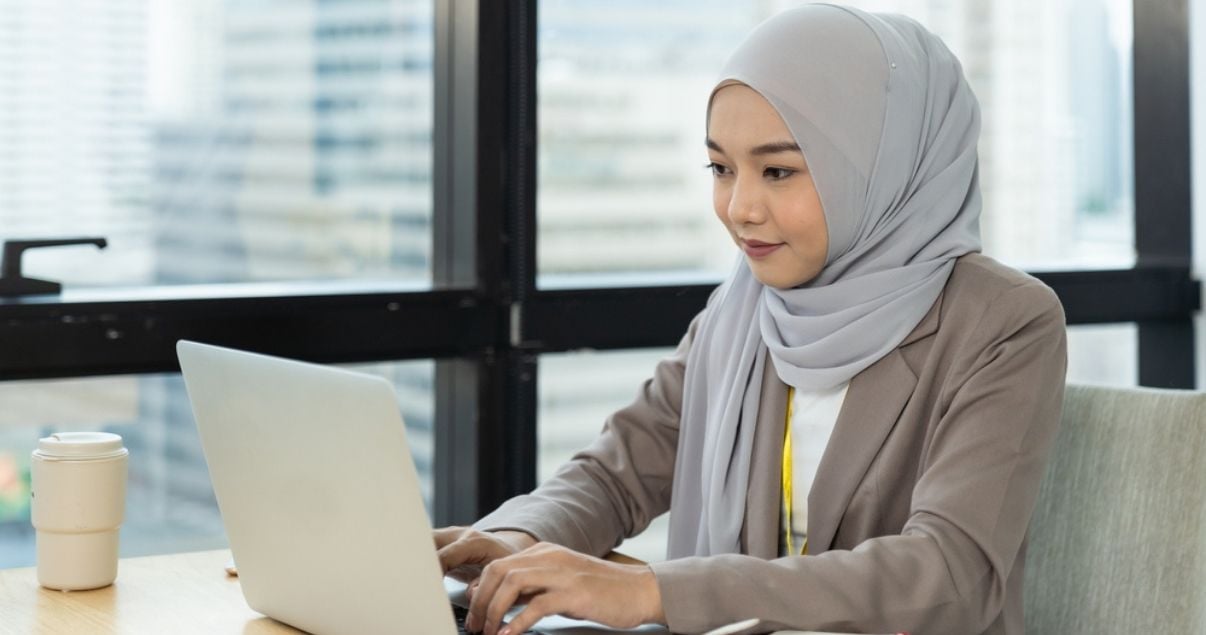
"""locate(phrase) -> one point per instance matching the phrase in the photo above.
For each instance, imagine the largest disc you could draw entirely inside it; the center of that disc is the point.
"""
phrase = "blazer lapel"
(872, 406)
(760, 533)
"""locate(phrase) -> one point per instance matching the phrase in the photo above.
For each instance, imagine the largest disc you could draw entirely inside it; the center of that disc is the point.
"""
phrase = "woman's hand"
(464, 551)
(556, 580)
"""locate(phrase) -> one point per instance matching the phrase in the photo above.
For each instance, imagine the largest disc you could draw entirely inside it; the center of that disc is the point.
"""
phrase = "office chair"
(1118, 537)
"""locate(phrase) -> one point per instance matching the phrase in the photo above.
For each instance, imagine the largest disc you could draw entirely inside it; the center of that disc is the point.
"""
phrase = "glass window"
(1197, 85)
(622, 93)
(218, 140)
(577, 391)
(170, 504)
(1103, 354)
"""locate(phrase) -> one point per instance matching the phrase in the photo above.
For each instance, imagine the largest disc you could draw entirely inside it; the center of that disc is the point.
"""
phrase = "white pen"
(735, 627)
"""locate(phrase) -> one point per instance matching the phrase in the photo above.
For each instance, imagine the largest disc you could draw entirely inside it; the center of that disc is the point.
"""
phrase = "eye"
(717, 169)
(777, 174)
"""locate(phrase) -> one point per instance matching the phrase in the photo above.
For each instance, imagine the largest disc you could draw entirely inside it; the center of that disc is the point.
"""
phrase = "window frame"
(486, 322)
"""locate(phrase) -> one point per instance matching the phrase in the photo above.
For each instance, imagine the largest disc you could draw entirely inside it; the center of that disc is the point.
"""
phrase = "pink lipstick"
(758, 249)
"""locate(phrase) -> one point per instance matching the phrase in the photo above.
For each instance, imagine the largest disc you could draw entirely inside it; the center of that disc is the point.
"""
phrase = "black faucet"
(12, 283)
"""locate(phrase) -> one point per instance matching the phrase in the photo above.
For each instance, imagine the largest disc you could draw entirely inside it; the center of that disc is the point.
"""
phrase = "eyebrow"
(774, 147)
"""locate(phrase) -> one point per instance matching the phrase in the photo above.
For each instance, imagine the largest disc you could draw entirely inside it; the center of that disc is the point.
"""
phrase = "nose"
(746, 205)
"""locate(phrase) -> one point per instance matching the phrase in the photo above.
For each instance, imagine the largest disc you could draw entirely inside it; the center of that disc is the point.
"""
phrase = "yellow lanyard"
(787, 474)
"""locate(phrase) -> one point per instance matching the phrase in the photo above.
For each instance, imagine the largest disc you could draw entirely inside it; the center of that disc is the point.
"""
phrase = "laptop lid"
(317, 489)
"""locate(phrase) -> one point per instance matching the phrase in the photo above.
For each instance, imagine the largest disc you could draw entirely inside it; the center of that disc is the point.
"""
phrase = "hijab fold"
(888, 127)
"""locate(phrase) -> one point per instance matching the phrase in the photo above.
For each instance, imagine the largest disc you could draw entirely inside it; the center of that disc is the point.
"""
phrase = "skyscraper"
(312, 160)
(315, 161)
(73, 151)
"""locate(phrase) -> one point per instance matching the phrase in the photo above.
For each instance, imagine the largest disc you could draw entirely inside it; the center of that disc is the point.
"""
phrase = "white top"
(813, 416)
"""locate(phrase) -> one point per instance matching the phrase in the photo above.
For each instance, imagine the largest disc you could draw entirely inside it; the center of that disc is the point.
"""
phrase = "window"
(1103, 354)
(1197, 39)
(358, 181)
(577, 392)
(623, 90)
(170, 504)
(218, 141)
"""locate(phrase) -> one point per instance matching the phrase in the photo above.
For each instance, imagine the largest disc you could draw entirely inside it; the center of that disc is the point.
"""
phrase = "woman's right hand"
(463, 551)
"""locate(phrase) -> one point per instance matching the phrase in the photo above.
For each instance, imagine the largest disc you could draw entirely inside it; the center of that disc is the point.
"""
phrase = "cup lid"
(81, 444)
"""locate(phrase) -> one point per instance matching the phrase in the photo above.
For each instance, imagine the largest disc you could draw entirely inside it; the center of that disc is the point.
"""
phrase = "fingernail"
(505, 631)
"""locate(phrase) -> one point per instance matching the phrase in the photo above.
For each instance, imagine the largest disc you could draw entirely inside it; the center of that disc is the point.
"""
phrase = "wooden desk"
(180, 593)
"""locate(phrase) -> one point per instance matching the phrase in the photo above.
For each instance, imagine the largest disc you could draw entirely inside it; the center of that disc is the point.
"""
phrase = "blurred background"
(266, 141)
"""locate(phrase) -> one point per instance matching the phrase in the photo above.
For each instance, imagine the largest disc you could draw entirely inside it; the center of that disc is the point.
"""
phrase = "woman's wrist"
(653, 594)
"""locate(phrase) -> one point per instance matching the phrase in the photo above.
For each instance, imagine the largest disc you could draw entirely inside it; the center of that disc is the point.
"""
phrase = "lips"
(757, 248)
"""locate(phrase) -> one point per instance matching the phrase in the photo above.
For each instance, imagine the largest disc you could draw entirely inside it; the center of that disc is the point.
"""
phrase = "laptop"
(320, 498)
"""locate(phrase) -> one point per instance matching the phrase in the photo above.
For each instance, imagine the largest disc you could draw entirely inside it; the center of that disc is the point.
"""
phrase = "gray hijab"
(888, 127)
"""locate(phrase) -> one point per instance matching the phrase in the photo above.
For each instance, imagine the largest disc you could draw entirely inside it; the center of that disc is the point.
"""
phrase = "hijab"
(888, 127)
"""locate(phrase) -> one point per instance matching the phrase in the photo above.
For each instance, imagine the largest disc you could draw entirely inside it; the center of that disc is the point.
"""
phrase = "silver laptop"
(319, 494)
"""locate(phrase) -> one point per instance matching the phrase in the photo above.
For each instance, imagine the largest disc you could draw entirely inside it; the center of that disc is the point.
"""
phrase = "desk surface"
(180, 593)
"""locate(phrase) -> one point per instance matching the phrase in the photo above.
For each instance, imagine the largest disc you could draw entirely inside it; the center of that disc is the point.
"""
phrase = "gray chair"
(1118, 538)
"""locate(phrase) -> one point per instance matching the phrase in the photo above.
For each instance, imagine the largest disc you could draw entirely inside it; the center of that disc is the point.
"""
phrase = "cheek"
(809, 232)
(814, 214)
(720, 202)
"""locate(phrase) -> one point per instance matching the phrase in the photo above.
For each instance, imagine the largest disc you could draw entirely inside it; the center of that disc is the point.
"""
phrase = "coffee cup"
(78, 502)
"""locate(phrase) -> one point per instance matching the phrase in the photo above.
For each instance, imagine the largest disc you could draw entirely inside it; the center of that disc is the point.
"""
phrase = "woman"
(851, 434)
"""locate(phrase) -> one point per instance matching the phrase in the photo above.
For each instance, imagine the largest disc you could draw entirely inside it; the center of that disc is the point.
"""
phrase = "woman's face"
(762, 190)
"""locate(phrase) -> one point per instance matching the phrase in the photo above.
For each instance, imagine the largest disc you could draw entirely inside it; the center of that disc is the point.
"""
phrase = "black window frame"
(486, 322)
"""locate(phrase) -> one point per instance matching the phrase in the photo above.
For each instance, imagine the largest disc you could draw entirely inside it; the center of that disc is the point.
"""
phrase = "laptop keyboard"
(461, 613)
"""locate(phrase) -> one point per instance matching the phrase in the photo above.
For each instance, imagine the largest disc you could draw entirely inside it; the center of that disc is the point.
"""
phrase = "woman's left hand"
(555, 580)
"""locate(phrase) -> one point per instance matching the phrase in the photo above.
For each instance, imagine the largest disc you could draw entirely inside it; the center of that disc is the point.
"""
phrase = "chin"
(781, 280)
(771, 280)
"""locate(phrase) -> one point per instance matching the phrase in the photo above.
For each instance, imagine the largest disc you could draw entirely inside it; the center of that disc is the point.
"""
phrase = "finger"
(515, 582)
(465, 573)
(455, 554)
(468, 550)
(539, 608)
(473, 549)
(486, 584)
(446, 535)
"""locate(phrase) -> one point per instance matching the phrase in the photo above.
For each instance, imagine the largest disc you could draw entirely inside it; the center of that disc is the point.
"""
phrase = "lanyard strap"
(787, 478)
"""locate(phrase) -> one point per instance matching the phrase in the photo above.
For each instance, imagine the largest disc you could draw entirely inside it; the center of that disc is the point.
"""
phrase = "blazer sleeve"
(946, 571)
(616, 486)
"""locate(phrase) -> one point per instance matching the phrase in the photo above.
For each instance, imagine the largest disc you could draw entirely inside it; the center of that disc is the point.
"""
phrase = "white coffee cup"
(78, 502)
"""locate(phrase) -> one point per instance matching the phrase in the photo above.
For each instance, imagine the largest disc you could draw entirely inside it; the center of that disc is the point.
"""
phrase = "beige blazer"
(917, 518)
